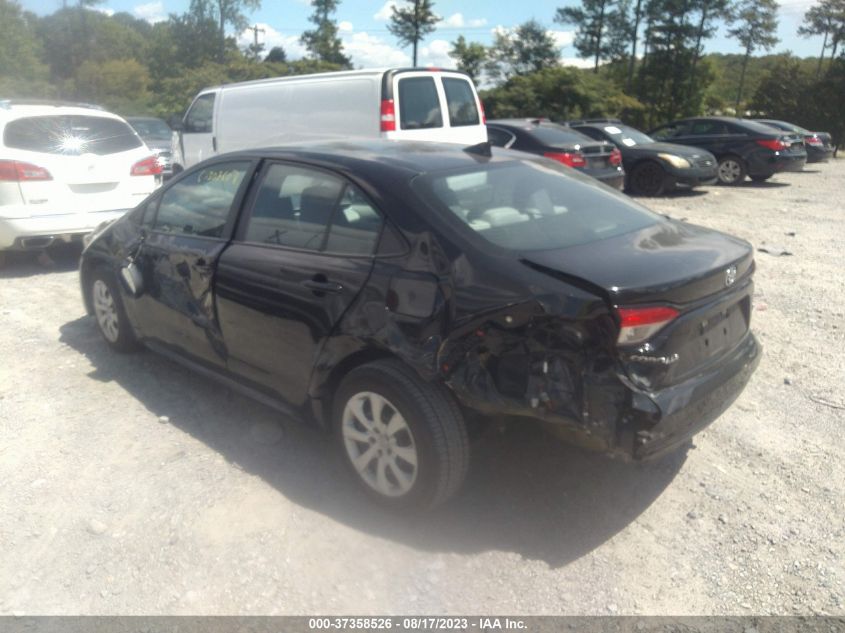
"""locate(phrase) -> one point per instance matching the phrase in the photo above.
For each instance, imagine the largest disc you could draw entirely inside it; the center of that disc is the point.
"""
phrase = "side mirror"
(175, 122)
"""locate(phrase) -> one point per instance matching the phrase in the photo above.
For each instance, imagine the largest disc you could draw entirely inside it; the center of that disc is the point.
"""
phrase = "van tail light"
(388, 116)
(813, 140)
(615, 157)
(774, 144)
(483, 114)
(16, 171)
(571, 159)
(147, 167)
(637, 325)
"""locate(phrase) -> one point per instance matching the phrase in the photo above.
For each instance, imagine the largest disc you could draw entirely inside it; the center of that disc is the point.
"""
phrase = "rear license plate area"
(723, 328)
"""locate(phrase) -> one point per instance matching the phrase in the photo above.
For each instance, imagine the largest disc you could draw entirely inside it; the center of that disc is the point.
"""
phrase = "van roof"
(361, 72)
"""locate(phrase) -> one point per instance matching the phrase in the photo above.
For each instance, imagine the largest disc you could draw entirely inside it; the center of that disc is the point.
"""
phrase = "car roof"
(525, 124)
(10, 110)
(407, 158)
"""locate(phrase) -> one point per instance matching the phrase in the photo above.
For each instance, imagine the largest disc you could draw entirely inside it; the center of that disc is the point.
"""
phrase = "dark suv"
(742, 147)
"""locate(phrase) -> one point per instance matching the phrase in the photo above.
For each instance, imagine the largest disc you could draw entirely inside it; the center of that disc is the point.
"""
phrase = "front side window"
(461, 102)
(200, 116)
(528, 206)
(71, 135)
(419, 107)
(309, 209)
(200, 204)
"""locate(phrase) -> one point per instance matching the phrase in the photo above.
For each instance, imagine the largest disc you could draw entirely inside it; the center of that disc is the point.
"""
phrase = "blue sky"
(367, 42)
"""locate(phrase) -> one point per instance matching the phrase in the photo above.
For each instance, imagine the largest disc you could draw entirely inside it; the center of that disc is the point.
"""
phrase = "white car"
(65, 169)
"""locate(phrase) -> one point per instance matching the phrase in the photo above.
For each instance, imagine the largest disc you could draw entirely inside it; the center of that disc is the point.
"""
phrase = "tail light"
(571, 159)
(147, 167)
(483, 115)
(637, 325)
(16, 171)
(813, 140)
(774, 144)
(388, 116)
(615, 157)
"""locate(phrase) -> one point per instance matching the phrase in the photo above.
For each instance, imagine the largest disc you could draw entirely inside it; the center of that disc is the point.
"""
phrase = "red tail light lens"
(483, 114)
(637, 325)
(388, 116)
(615, 157)
(572, 159)
(813, 140)
(776, 145)
(16, 171)
(147, 167)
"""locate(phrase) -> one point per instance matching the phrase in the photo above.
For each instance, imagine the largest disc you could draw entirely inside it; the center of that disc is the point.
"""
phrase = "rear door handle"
(319, 286)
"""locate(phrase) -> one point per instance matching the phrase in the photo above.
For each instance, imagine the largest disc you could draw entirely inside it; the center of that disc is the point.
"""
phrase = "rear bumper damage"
(557, 372)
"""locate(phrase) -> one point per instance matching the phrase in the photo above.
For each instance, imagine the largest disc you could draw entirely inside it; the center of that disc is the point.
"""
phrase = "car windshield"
(553, 135)
(533, 205)
(71, 135)
(151, 128)
(627, 136)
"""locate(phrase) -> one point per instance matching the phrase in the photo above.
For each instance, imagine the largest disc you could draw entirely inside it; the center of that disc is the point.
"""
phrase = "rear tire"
(647, 179)
(403, 439)
(109, 312)
(731, 170)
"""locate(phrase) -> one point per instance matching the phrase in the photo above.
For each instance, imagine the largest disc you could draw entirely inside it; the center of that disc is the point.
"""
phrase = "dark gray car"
(156, 134)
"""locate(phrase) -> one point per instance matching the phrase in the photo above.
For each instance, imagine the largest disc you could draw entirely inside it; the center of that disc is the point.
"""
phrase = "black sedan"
(598, 159)
(651, 168)
(819, 145)
(388, 290)
(742, 147)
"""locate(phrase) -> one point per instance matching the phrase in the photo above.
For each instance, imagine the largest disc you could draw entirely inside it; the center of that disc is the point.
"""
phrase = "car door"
(198, 142)
(190, 228)
(301, 255)
(712, 135)
(671, 132)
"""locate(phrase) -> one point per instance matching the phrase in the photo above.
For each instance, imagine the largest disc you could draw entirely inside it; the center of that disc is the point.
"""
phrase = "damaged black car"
(391, 292)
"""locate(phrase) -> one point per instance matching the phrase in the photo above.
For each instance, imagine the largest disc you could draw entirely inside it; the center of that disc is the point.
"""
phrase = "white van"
(402, 104)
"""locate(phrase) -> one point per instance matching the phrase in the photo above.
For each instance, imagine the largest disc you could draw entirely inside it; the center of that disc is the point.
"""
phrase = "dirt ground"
(128, 486)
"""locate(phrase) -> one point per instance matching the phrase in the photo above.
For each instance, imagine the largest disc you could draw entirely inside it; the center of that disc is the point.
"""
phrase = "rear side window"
(419, 107)
(199, 204)
(199, 117)
(549, 135)
(71, 135)
(499, 137)
(461, 102)
(310, 209)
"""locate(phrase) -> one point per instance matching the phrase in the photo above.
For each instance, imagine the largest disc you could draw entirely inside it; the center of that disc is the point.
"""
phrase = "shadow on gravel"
(675, 194)
(763, 184)
(61, 258)
(526, 493)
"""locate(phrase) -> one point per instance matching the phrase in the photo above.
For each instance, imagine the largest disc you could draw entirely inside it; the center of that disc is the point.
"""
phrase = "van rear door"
(432, 106)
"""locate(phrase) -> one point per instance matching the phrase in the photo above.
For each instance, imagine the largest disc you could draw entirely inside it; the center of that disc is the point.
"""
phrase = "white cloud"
(151, 12)
(456, 20)
(104, 10)
(576, 61)
(476, 22)
(270, 38)
(386, 11)
(345, 27)
(562, 38)
(436, 54)
(370, 51)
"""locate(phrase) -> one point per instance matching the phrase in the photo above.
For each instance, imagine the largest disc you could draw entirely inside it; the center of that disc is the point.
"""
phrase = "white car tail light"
(17, 171)
(150, 166)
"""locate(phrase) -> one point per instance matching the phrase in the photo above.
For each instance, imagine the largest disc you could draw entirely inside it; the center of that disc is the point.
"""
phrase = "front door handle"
(320, 285)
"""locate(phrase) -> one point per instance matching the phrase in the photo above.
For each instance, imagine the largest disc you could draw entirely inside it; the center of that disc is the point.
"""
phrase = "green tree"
(411, 22)
(592, 20)
(469, 56)
(322, 42)
(22, 73)
(756, 24)
(827, 19)
(527, 49)
(122, 85)
(276, 55)
(225, 13)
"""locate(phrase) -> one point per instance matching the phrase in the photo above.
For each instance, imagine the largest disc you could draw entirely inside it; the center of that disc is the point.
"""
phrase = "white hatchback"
(65, 169)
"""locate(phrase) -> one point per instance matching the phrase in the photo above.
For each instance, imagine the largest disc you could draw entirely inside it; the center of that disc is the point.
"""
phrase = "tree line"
(647, 59)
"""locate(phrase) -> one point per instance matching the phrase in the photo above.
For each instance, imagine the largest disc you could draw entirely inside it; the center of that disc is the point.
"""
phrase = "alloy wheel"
(105, 311)
(729, 171)
(380, 444)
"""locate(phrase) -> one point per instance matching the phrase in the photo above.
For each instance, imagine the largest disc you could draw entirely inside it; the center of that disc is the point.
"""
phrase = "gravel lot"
(128, 486)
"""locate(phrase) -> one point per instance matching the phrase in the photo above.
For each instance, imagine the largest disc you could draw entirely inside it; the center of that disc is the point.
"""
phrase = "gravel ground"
(128, 486)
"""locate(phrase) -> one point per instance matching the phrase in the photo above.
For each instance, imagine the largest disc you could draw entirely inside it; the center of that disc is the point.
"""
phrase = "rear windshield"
(528, 205)
(151, 128)
(461, 102)
(70, 135)
(553, 135)
(419, 106)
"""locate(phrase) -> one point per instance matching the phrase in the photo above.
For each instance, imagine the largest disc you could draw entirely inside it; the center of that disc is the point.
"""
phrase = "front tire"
(647, 179)
(403, 439)
(109, 313)
(731, 170)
